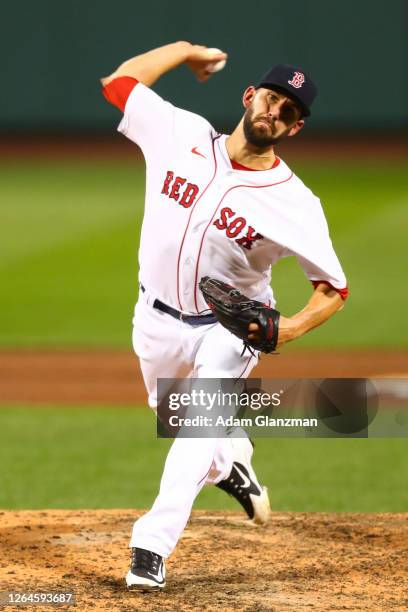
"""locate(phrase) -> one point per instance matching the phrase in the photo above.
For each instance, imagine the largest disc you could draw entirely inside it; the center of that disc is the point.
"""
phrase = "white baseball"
(215, 66)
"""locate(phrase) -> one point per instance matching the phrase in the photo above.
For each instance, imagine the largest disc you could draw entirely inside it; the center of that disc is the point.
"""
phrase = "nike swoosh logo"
(194, 150)
(160, 575)
(246, 482)
(156, 578)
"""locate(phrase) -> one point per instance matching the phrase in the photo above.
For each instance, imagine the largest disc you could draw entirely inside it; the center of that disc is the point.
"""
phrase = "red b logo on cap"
(297, 80)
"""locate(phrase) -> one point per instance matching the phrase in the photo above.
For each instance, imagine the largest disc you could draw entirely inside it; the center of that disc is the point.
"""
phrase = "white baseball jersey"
(205, 217)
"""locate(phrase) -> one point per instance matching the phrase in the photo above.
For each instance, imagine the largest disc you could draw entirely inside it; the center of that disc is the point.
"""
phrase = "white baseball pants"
(168, 348)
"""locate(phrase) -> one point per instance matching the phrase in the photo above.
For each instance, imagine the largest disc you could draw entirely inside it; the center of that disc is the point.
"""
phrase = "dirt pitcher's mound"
(298, 562)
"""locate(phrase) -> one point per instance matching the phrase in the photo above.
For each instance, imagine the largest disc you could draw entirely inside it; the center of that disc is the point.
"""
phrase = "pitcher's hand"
(199, 58)
(286, 331)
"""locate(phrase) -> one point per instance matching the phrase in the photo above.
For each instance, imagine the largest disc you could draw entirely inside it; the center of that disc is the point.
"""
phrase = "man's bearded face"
(261, 129)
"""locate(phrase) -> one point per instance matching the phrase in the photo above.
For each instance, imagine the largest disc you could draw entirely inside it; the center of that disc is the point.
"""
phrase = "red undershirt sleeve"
(342, 292)
(118, 90)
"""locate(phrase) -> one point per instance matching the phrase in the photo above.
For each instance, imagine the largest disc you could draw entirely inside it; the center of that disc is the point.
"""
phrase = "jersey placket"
(194, 250)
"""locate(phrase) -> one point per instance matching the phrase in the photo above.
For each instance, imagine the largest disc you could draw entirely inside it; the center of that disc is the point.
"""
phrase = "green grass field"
(68, 265)
(69, 240)
(54, 457)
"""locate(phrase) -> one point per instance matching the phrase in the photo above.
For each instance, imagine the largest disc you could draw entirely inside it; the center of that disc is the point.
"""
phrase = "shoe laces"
(250, 349)
(145, 559)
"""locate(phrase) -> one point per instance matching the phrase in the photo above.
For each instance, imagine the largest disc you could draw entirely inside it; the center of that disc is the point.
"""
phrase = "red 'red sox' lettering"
(189, 195)
(234, 227)
(222, 222)
(248, 240)
(177, 189)
(167, 181)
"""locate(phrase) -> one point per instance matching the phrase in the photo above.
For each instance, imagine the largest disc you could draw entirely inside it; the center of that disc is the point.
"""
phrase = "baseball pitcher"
(220, 210)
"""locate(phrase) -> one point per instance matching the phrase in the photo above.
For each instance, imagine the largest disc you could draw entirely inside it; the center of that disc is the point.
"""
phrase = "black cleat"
(243, 485)
(147, 571)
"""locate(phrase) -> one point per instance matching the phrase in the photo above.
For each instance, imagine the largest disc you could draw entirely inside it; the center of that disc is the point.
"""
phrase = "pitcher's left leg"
(220, 356)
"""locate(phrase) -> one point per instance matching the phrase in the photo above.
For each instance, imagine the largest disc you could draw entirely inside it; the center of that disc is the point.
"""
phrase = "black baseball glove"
(235, 311)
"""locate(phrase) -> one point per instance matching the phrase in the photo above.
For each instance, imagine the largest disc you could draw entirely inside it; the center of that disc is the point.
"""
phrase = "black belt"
(190, 319)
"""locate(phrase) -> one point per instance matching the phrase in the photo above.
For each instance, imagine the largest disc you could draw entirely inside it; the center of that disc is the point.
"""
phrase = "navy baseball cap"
(292, 80)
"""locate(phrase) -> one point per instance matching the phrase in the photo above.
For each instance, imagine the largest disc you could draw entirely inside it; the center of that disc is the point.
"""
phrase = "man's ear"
(248, 96)
(297, 127)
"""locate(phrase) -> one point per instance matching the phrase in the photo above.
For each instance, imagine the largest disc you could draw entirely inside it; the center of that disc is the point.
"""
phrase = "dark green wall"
(53, 53)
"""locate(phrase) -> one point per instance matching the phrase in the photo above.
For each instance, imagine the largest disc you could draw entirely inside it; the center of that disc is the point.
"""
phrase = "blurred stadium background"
(71, 193)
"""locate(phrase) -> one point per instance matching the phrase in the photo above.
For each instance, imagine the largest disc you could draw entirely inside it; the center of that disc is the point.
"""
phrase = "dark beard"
(255, 137)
